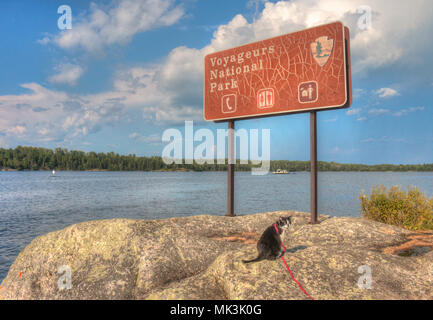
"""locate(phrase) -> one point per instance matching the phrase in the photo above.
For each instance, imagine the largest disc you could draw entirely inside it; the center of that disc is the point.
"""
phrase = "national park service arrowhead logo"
(321, 49)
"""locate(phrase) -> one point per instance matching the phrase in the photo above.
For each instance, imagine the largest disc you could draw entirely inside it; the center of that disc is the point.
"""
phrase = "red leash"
(291, 274)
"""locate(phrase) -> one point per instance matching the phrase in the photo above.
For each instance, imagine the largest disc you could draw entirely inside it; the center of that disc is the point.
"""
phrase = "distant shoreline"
(34, 159)
(191, 170)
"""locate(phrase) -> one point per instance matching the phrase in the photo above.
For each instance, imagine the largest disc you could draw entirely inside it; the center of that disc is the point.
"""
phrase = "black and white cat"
(269, 245)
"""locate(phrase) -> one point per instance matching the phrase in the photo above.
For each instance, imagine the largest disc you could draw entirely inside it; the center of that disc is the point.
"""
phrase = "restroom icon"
(265, 98)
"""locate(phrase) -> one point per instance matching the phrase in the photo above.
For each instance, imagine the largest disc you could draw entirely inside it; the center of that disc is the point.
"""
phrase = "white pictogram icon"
(228, 103)
(308, 92)
(265, 98)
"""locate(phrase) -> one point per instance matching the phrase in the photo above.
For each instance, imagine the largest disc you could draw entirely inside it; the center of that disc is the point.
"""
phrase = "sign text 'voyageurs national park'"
(297, 72)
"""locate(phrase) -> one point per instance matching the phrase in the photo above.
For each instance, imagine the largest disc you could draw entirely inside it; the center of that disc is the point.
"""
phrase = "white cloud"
(49, 115)
(383, 139)
(358, 92)
(331, 120)
(381, 111)
(16, 130)
(64, 115)
(67, 73)
(377, 112)
(44, 40)
(336, 150)
(255, 4)
(393, 36)
(353, 111)
(387, 92)
(153, 139)
(117, 23)
(406, 111)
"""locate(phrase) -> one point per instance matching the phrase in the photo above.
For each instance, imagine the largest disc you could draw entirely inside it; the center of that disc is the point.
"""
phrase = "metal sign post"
(231, 169)
(313, 167)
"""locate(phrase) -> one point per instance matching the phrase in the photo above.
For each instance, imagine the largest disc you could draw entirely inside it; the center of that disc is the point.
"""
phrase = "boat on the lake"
(280, 171)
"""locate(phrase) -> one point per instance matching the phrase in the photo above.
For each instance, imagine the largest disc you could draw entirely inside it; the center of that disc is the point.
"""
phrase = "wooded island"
(35, 158)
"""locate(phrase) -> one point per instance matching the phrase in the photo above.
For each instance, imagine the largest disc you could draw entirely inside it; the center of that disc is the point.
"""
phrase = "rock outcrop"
(200, 257)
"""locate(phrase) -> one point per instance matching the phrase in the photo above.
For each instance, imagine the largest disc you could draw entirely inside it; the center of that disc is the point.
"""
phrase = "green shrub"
(410, 210)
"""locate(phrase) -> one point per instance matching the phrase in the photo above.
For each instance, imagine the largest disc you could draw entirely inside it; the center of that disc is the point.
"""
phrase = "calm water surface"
(33, 203)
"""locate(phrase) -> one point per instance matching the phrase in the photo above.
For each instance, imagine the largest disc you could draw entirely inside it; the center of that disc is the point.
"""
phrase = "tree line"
(34, 158)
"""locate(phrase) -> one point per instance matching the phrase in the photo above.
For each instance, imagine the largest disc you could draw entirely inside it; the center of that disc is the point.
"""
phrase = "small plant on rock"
(410, 210)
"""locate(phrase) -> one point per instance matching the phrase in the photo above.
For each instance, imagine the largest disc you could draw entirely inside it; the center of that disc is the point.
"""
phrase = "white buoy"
(54, 172)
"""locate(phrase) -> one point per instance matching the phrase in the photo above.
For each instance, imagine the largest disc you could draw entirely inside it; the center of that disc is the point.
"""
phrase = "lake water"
(33, 203)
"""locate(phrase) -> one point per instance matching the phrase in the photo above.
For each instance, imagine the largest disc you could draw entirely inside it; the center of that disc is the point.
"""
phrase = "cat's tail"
(259, 258)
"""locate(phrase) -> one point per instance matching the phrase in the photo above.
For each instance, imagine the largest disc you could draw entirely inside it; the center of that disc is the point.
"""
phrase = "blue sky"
(128, 70)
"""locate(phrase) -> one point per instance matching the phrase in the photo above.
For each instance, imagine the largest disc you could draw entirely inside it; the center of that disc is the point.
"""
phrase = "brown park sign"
(298, 72)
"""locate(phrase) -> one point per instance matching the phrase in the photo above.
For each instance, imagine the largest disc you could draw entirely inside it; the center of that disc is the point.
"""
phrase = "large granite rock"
(200, 258)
